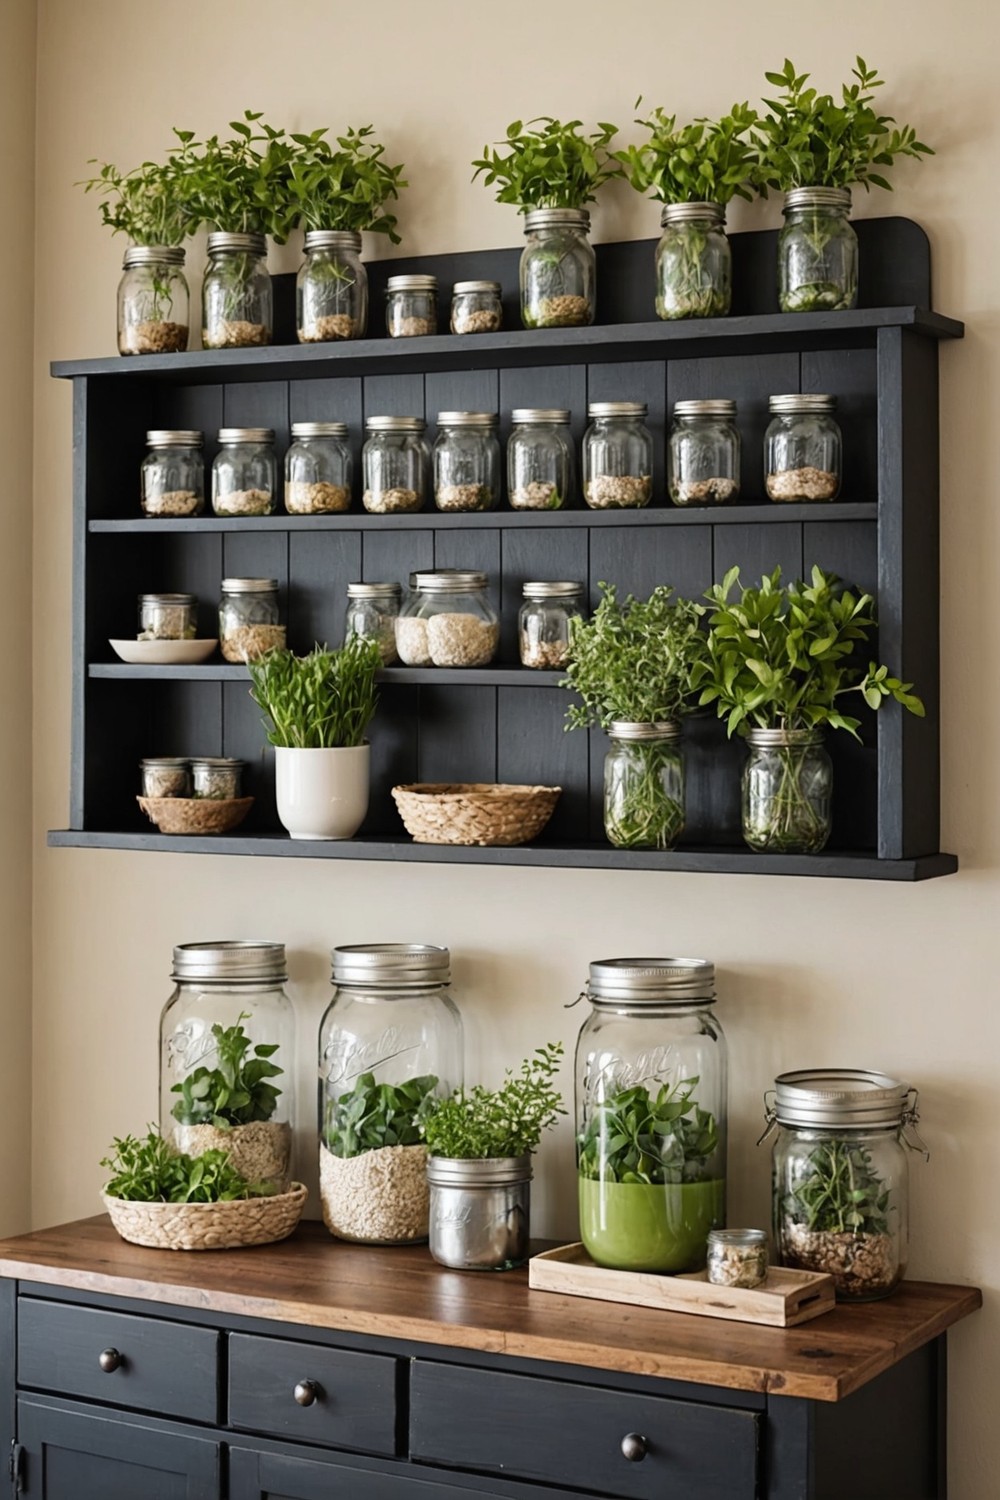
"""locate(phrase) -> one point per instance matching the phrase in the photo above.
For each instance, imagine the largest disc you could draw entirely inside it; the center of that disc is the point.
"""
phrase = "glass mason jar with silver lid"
(244, 474)
(248, 619)
(817, 252)
(694, 266)
(644, 785)
(217, 778)
(466, 458)
(704, 453)
(154, 303)
(237, 302)
(558, 269)
(411, 306)
(543, 623)
(331, 288)
(802, 448)
(476, 307)
(447, 620)
(166, 776)
(372, 610)
(787, 791)
(168, 617)
(318, 469)
(737, 1257)
(172, 475)
(395, 462)
(539, 459)
(617, 456)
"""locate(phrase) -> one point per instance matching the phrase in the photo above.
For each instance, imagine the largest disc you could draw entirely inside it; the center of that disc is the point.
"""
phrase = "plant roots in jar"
(235, 333)
(807, 483)
(380, 1197)
(818, 296)
(639, 811)
(703, 491)
(618, 492)
(250, 642)
(319, 499)
(153, 338)
(709, 302)
(385, 502)
(788, 819)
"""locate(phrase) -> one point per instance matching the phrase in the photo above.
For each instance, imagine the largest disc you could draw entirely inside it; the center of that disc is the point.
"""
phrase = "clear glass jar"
(617, 456)
(395, 460)
(703, 456)
(539, 459)
(737, 1257)
(787, 791)
(154, 303)
(166, 776)
(694, 264)
(543, 623)
(802, 449)
(372, 610)
(331, 288)
(651, 1114)
(447, 620)
(168, 617)
(318, 470)
(245, 472)
(476, 307)
(466, 459)
(644, 786)
(227, 1016)
(817, 252)
(248, 619)
(389, 1043)
(558, 269)
(217, 778)
(172, 475)
(411, 306)
(237, 302)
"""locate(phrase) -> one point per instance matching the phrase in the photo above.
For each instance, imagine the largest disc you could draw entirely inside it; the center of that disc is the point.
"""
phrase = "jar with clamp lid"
(802, 449)
(411, 306)
(173, 473)
(244, 474)
(539, 459)
(466, 460)
(237, 300)
(704, 453)
(372, 611)
(248, 619)
(395, 461)
(318, 470)
(331, 288)
(543, 623)
(558, 269)
(617, 456)
(154, 304)
(447, 620)
(476, 307)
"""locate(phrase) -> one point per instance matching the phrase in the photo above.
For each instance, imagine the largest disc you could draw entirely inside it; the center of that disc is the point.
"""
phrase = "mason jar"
(644, 785)
(390, 1044)
(787, 791)
(245, 472)
(539, 459)
(817, 252)
(703, 454)
(802, 448)
(558, 269)
(466, 458)
(331, 288)
(737, 1257)
(694, 264)
(168, 617)
(395, 460)
(476, 307)
(447, 620)
(480, 1211)
(372, 610)
(166, 776)
(227, 1058)
(237, 305)
(154, 304)
(172, 476)
(318, 469)
(651, 1114)
(617, 456)
(543, 623)
(411, 306)
(217, 778)
(248, 619)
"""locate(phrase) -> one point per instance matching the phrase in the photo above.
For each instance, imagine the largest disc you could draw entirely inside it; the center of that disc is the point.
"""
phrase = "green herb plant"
(480, 1123)
(839, 1193)
(325, 700)
(342, 186)
(372, 1115)
(151, 1171)
(147, 203)
(553, 166)
(640, 1137)
(235, 1092)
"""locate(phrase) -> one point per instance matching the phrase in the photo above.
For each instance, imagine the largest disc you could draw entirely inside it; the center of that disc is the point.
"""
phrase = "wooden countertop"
(400, 1293)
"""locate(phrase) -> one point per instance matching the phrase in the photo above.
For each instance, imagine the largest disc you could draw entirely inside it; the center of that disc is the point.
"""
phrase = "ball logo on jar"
(612, 1075)
(189, 1046)
(346, 1057)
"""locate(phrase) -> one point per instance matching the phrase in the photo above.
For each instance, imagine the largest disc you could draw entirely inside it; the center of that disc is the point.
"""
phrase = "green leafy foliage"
(342, 187)
(325, 700)
(707, 161)
(478, 1123)
(237, 1091)
(238, 183)
(151, 1171)
(149, 203)
(636, 1136)
(841, 1193)
(373, 1115)
(554, 166)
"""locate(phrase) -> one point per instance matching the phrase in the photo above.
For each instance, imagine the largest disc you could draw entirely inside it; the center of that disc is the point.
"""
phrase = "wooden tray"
(783, 1300)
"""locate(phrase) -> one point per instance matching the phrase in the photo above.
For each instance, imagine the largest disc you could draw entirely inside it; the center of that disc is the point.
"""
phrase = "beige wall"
(811, 972)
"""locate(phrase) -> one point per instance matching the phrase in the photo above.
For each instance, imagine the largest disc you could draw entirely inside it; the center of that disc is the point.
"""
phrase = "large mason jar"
(237, 305)
(331, 288)
(539, 458)
(173, 473)
(227, 1058)
(694, 264)
(318, 469)
(389, 1044)
(395, 460)
(558, 269)
(447, 620)
(245, 472)
(703, 454)
(466, 459)
(787, 791)
(817, 252)
(802, 448)
(651, 1114)
(644, 786)
(154, 304)
(617, 456)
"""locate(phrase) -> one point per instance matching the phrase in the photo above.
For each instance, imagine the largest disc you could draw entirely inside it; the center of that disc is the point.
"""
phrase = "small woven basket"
(208, 1226)
(484, 813)
(195, 814)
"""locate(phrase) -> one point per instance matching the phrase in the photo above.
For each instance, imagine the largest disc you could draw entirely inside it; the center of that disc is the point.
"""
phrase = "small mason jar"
(168, 617)
(480, 1211)
(703, 456)
(617, 456)
(466, 459)
(539, 459)
(331, 288)
(395, 462)
(318, 470)
(411, 306)
(166, 776)
(644, 785)
(154, 304)
(245, 472)
(694, 264)
(372, 610)
(476, 307)
(817, 252)
(237, 304)
(737, 1257)
(543, 623)
(447, 620)
(172, 475)
(802, 448)
(558, 269)
(217, 778)
(248, 619)
(787, 791)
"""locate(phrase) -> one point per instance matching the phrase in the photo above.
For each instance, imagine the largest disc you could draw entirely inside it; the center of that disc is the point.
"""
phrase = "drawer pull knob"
(110, 1361)
(634, 1447)
(306, 1392)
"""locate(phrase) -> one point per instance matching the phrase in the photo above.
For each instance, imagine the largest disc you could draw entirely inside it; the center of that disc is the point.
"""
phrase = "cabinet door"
(273, 1474)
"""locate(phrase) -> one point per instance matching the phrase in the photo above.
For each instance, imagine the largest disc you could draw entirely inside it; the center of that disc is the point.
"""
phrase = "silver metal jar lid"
(373, 590)
(173, 437)
(478, 1171)
(467, 419)
(152, 255)
(556, 218)
(218, 762)
(816, 197)
(411, 284)
(690, 213)
(617, 409)
(230, 435)
(319, 429)
(332, 239)
(391, 964)
(802, 403)
(526, 415)
(166, 760)
(169, 599)
(395, 424)
(656, 981)
(659, 729)
(840, 1097)
(541, 590)
(449, 581)
(237, 962)
(464, 288)
(712, 408)
(249, 585)
(247, 244)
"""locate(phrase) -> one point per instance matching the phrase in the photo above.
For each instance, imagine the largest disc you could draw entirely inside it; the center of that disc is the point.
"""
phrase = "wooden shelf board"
(499, 676)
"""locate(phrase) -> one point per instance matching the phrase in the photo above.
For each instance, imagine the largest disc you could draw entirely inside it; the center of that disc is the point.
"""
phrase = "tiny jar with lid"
(172, 476)
(217, 778)
(168, 617)
(476, 307)
(390, 1043)
(245, 472)
(411, 306)
(237, 301)
(318, 470)
(737, 1257)
(395, 460)
(840, 1176)
(817, 251)
(154, 303)
(703, 454)
(229, 1017)
(543, 623)
(248, 619)
(558, 269)
(787, 791)
(539, 459)
(372, 611)
(331, 288)
(617, 456)
(447, 620)
(644, 785)
(466, 459)
(694, 264)
(651, 1114)
(802, 449)
(166, 776)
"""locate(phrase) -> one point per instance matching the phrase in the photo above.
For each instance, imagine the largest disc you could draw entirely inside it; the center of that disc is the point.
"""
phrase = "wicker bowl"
(208, 1226)
(485, 813)
(195, 814)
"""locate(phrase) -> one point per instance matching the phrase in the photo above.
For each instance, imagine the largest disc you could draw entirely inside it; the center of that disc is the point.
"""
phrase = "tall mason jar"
(318, 469)
(617, 456)
(694, 264)
(558, 269)
(227, 1057)
(539, 459)
(173, 473)
(787, 791)
(237, 304)
(389, 1044)
(817, 252)
(466, 459)
(651, 1114)
(395, 460)
(802, 448)
(154, 303)
(644, 786)
(703, 454)
(331, 288)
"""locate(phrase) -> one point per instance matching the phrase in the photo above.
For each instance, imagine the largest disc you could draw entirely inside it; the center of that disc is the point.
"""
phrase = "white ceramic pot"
(322, 794)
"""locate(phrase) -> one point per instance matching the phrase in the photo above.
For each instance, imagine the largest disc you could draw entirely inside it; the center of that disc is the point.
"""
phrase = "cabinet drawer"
(351, 1398)
(560, 1433)
(153, 1365)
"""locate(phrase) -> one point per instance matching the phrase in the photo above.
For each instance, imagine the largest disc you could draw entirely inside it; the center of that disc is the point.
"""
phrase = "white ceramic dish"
(163, 653)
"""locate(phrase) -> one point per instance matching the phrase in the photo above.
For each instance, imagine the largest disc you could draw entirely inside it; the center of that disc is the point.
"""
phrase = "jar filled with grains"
(617, 456)
(558, 269)
(173, 473)
(244, 474)
(737, 1257)
(318, 469)
(168, 617)
(331, 288)
(248, 619)
(166, 776)
(217, 778)
(802, 448)
(237, 300)
(704, 453)
(372, 610)
(411, 306)
(395, 462)
(448, 621)
(539, 459)
(466, 461)
(154, 304)
(476, 307)
(543, 623)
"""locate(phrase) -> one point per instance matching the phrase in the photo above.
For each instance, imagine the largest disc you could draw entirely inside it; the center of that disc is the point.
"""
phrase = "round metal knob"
(110, 1361)
(634, 1447)
(306, 1392)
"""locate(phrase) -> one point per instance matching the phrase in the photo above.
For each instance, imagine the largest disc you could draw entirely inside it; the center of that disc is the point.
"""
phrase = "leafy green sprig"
(149, 203)
(639, 1137)
(151, 1171)
(238, 184)
(373, 1115)
(841, 1193)
(479, 1123)
(237, 1091)
(706, 161)
(325, 700)
(343, 188)
(554, 166)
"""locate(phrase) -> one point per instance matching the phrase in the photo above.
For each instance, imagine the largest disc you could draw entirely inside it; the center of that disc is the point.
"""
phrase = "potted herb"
(479, 1169)
(779, 663)
(319, 708)
(631, 665)
(552, 172)
(373, 1162)
(813, 149)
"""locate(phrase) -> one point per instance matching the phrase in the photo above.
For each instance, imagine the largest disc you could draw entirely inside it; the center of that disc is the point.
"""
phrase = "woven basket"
(476, 813)
(208, 1226)
(195, 814)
